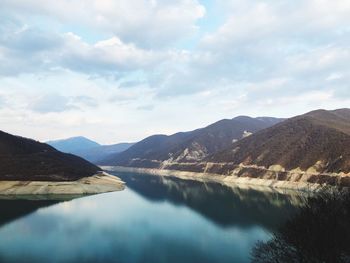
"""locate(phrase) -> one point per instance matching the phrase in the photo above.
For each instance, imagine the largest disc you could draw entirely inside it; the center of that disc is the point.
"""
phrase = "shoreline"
(233, 181)
(96, 184)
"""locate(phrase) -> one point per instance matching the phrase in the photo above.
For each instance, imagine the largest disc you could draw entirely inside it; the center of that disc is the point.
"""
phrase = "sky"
(121, 70)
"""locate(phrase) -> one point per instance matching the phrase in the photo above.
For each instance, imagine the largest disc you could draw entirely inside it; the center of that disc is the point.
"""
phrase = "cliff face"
(190, 146)
(26, 159)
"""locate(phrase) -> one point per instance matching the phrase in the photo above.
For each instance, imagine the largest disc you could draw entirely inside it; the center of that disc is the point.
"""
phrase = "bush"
(319, 232)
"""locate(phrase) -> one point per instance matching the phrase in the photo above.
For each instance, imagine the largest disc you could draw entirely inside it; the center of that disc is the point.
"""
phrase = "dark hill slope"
(189, 146)
(26, 159)
(319, 139)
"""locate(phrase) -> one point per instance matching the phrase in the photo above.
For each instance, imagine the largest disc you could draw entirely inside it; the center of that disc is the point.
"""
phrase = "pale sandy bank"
(245, 182)
(99, 183)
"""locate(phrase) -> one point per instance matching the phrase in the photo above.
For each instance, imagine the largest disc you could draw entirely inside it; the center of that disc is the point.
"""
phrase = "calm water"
(154, 220)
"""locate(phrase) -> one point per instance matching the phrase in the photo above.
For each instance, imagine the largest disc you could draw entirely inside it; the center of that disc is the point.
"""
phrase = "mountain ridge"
(320, 137)
(312, 148)
(193, 145)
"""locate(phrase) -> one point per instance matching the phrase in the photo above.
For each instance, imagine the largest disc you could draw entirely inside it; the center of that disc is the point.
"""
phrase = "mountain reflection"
(225, 206)
(13, 208)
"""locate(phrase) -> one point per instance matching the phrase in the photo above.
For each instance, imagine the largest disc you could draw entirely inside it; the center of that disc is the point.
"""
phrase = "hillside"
(317, 141)
(88, 149)
(300, 152)
(26, 159)
(190, 146)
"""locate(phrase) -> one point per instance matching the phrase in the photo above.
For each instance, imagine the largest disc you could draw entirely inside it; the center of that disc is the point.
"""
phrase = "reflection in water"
(319, 232)
(222, 204)
(13, 209)
(154, 220)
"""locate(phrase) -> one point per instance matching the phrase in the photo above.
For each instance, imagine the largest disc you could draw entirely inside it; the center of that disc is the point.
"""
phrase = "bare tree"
(318, 233)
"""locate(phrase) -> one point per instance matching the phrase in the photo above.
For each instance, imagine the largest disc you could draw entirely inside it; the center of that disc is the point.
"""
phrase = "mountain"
(310, 148)
(88, 149)
(73, 144)
(190, 146)
(26, 159)
(317, 141)
(96, 154)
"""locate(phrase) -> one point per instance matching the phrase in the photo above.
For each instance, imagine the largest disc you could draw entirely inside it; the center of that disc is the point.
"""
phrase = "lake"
(155, 219)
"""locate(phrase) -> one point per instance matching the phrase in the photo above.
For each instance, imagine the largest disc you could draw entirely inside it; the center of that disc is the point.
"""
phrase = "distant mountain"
(190, 146)
(88, 149)
(26, 159)
(318, 141)
(71, 145)
(96, 154)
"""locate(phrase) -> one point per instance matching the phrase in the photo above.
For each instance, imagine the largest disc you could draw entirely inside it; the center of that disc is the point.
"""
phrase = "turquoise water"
(154, 220)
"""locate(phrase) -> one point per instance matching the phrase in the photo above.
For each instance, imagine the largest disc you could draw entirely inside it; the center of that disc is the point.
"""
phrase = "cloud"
(85, 101)
(132, 83)
(2, 102)
(146, 107)
(24, 48)
(52, 103)
(23, 39)
(58, 103)
(33, 50)
(110, 56)
(148, 23)
(113, 62)
(260, 41)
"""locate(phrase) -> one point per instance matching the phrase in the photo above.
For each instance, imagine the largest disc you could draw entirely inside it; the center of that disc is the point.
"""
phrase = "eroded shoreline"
(99, 183)
(245, 182)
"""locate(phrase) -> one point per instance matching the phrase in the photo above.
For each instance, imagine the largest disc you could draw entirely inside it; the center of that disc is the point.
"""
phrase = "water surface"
(154, 220)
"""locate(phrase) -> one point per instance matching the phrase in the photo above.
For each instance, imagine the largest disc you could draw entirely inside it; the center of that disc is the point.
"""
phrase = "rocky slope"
(191, 146)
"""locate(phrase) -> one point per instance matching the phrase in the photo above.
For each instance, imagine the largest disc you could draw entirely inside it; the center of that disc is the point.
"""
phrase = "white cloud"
(334, 76)
(2, 102)
(33, 50)
(147, 23)
(139, 67)
(52, 103)
(109, 56)
(302, 41)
